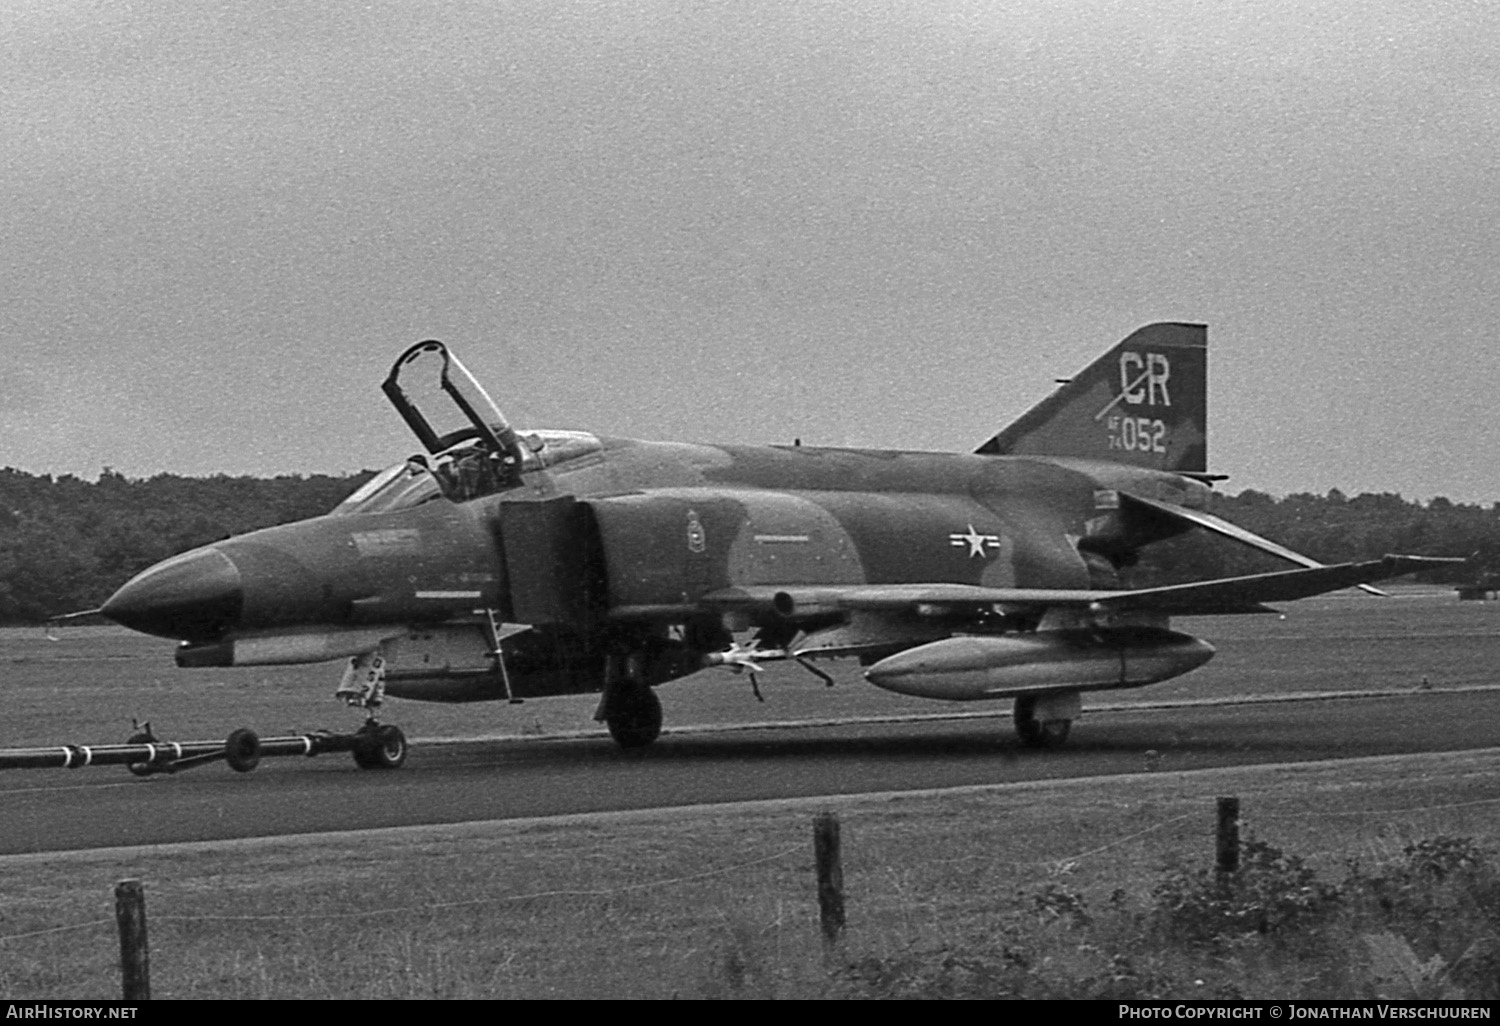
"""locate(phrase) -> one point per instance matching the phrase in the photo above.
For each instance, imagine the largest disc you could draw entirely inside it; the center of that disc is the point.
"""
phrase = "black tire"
(242, 750)
(1035, 733)
(382, 748)
(634, 717)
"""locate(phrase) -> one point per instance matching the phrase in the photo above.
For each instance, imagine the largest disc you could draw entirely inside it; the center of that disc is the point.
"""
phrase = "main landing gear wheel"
(634, 717)
(1035, 733)
(380, 747)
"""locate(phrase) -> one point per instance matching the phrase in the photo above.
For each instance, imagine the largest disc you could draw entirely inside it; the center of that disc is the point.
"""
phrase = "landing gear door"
(426, 382)
(551, 560)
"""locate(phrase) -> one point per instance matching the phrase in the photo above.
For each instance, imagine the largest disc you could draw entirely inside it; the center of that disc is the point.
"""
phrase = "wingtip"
(1421, 562)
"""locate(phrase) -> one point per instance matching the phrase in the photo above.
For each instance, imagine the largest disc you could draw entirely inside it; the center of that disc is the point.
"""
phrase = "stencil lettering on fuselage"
(394, 541)
(788, 539)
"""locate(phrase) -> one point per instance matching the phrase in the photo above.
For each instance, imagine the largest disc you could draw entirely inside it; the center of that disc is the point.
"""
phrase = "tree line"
(67, 543)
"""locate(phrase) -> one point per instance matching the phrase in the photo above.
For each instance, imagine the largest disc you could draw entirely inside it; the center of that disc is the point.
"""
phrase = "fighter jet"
(506, 564)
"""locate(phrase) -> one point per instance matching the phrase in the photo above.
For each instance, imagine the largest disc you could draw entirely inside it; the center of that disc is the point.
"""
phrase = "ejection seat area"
(468, 470)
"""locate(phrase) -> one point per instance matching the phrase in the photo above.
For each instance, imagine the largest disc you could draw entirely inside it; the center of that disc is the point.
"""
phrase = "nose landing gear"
(375, 745)
(379, 746)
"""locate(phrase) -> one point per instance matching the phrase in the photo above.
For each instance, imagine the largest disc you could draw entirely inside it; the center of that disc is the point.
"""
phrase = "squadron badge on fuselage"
(697, 538)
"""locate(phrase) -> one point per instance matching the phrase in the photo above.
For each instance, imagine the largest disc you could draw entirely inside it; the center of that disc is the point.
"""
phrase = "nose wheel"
(375, 745)
(379, 746)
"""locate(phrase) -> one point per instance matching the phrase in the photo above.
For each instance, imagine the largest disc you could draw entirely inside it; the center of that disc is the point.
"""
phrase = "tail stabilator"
(1145, 402)
(1223, 528)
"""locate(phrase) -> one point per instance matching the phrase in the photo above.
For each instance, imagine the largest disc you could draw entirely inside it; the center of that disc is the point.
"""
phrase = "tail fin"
(1144, 402)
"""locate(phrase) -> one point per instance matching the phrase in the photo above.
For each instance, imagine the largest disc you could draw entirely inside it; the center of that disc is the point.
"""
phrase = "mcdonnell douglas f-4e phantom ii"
(506, 564)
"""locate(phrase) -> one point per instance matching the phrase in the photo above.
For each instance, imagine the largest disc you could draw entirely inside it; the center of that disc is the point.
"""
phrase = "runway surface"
(54, 810)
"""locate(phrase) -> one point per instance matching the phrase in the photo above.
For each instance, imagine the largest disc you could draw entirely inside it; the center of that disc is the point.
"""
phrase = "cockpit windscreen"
(402, 486)
(466, 471)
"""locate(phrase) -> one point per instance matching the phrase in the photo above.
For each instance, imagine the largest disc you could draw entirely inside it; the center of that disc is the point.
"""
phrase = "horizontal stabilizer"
(1219, 526)
(1249, 594)
(1224, 528)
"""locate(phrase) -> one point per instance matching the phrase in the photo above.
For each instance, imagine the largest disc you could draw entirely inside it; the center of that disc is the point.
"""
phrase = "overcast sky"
(859, 223)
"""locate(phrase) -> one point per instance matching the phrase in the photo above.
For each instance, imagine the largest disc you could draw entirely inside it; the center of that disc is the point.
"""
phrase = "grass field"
(695, 903)
(720, 902)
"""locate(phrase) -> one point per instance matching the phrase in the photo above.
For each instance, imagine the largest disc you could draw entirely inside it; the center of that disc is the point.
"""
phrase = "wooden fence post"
(830, 875)
(135, 958)
(1227, 858)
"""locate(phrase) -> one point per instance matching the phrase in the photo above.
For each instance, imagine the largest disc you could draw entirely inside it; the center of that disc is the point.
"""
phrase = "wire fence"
(1176, 828)
(879, 881)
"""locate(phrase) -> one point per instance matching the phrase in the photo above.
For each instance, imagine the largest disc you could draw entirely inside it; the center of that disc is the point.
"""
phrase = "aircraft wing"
(1225, 595)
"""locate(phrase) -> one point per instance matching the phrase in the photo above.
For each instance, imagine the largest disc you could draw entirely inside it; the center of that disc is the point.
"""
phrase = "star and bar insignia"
(977, 543)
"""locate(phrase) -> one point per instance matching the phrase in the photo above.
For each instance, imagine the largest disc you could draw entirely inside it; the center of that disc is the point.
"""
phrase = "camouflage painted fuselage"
(681, 521)
(503, 564)
(659, 548)
(499, 564)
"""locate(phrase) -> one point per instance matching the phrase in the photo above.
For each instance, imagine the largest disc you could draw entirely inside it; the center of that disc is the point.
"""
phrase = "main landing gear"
(629, 707)
(1043, 721)
(633, 716)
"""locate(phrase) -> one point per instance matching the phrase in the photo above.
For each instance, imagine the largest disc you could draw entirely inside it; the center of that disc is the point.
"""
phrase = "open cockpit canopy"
(472, 450)
(443, 403)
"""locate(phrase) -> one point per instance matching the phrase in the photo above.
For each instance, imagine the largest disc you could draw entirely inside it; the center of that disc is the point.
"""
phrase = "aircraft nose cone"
(196, 595)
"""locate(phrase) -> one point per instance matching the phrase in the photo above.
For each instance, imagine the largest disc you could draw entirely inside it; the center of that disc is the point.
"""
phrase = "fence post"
(135, 958)
(830, 875)
(1228, 848)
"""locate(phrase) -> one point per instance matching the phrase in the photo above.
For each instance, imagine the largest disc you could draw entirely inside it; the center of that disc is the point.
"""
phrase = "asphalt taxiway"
(466, 781)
